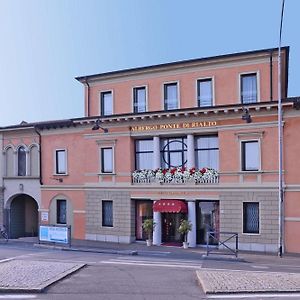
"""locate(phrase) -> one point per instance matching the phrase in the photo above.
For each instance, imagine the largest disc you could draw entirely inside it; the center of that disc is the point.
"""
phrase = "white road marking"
(151, 264)
(260, 267)
(17, 296)
(257, 296)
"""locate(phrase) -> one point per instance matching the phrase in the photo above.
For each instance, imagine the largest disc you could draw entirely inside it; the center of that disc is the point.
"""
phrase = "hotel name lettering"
(184, 125)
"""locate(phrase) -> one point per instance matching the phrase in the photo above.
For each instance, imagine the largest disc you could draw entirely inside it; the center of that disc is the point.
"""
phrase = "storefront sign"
(184, 125)
(55, 234)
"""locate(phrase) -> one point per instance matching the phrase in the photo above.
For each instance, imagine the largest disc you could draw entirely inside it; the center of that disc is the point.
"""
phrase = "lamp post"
(280, 145)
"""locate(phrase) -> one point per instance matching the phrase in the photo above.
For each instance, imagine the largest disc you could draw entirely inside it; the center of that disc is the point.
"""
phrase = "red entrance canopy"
(170, 206)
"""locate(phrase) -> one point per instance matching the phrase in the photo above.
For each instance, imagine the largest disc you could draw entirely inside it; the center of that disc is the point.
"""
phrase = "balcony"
(176, 176)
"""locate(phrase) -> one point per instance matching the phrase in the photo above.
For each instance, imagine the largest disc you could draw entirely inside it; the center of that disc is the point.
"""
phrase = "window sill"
(109, 174)
(251, 234)
(65, 174)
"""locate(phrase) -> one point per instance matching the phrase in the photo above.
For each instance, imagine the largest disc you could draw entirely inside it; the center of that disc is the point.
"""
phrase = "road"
(151, 275)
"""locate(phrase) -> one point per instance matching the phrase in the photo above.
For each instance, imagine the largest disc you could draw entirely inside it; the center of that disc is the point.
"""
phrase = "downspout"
(271, 75)
(40, 155)
(88, 97)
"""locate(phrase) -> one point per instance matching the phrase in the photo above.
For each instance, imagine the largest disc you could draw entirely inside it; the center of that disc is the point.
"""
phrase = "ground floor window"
(143, 211)
(208, 219)
(250, 217)
(61, 210)
(107, 213)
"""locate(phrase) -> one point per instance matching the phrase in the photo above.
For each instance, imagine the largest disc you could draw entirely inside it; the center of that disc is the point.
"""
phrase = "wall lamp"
(246, 116)
(296, 104)
(57, 179)
(97, 126)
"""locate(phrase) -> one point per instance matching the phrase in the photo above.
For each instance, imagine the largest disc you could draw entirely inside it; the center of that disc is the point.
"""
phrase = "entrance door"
(207, 220)
(23, 217)
(170, 225)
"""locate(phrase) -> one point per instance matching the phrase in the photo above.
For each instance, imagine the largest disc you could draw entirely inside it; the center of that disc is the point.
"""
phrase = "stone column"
(190, 151)
(192, 218)
(156, 152)
(157, 229)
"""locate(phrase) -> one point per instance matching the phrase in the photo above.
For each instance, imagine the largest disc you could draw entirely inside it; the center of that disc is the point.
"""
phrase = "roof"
(85, 78)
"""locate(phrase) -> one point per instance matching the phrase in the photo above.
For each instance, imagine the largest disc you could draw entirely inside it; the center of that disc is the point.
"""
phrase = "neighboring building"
(20, 169)
(204, 134)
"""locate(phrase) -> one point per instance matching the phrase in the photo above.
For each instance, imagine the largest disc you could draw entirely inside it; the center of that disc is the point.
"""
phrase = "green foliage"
(184, 227)
(148, 227)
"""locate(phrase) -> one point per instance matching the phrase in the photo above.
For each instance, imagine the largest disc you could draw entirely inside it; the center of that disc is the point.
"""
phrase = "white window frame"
(55, 162)
(112, 100)
(113, 219)
(17, 160)
(259, 218)
(146, 94)
(259, 153)
(163, 93)
(257, 85)
(104, 145)
(212, 78)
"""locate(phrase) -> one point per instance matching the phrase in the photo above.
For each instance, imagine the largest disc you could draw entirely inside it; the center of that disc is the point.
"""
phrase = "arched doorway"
(23, 217)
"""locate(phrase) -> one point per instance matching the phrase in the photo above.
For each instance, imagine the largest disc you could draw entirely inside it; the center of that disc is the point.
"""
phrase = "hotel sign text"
(184, 125)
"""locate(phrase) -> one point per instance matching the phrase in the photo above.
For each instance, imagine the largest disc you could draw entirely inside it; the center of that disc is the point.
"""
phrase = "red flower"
(173, 171)
(203, 170)
(164, 171)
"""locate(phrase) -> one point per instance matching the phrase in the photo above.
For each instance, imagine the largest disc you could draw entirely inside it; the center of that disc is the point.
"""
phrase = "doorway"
(170, 225)
(208, 219)
(23, 217)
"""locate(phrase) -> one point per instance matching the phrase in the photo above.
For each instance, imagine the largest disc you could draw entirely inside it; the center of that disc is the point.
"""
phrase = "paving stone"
(213, 281)
(24, 275)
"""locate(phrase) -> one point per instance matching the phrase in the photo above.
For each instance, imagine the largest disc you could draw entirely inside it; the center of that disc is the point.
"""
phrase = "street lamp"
(280, 144)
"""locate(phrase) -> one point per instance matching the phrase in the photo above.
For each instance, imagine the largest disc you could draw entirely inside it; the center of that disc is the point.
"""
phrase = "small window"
(139, 99)
(61, 210)
(250, 156)
(107, 213)
(106, 103)
(250, 217)
(61, 162)
(204, 92)
(106, 160)
(21, 161)
(249, 88)
(170, 96)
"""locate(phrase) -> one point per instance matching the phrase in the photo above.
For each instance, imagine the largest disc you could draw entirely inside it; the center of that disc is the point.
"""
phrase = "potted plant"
(184, 228)
(148, 227)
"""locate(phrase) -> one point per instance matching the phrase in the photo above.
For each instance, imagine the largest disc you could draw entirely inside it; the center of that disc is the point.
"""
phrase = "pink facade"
(94, 176)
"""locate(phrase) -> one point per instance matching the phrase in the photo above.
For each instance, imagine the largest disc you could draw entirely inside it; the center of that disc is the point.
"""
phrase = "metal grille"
(251, 217)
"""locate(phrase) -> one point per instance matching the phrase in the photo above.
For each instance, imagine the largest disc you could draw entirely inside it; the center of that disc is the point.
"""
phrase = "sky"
(45, 44)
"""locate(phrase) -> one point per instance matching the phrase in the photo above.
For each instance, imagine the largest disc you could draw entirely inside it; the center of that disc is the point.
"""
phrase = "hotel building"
(195, 139)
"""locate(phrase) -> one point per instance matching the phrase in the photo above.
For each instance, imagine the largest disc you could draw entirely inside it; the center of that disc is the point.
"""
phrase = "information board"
(54, 234)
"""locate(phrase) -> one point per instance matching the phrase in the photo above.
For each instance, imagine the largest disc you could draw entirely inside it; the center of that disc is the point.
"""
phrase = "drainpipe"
(271, 76)
(88, 97)
(40, 154)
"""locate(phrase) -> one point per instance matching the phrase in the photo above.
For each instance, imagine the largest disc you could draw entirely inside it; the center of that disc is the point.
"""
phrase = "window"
(204, 92)
(173, 152)
(9, 162)
(106, 103)
(143, 154)
(61, 210)
(21, 161)
(107, 213)
(250, 217)
(139, 99)
(250, 156)
(170, 96)
(107, 160)
(34, 161)
(249, 88)
(61, 162)
(207, 152)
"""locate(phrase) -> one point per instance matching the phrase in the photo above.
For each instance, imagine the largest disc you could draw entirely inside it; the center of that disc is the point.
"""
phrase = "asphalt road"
(151, 275)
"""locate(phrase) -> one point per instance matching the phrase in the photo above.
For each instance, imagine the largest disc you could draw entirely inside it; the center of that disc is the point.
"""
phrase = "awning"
(170, 206)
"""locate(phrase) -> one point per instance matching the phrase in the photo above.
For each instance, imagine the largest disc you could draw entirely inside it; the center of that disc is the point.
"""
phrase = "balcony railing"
(176, 176)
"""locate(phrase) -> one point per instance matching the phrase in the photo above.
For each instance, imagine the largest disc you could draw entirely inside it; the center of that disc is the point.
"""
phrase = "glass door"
(170, 225)
(143, 211)
(207, 214)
